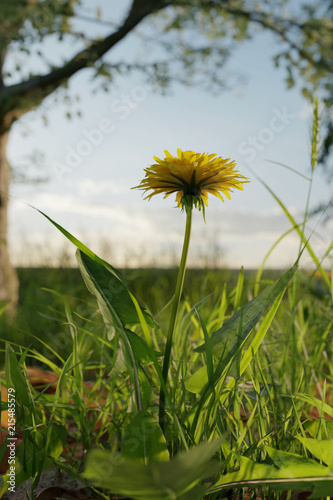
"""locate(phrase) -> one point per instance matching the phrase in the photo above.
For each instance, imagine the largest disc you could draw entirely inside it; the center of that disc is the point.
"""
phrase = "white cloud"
(89, 187)
(150, 234)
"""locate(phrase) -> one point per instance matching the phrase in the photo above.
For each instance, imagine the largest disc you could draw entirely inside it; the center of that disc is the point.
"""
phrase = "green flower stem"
(174, 312)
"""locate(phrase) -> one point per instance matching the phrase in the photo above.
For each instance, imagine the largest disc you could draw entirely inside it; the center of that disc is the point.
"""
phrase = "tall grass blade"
(303, 239)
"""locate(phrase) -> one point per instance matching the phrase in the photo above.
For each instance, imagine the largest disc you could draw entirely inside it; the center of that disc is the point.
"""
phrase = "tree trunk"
(17, 99)
(9, 283)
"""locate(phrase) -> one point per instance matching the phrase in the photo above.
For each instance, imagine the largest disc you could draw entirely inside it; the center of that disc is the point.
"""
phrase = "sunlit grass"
(248, 390)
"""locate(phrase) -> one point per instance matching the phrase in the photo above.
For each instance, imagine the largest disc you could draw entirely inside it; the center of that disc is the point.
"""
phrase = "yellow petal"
(174, 174)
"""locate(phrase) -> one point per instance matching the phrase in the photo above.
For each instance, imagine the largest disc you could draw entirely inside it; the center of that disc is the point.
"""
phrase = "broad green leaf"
(320, 448)
(249, 470)
(57, 441)
(145, 387)
(123, 363)
(155, 481)
(197, 381)
(288, 472)
(322, 489)
(111, 293)
(144, 440)
(117, 309)
(225, 341)
(292, 465)
(139, 346)
(312, 427)
(17, 380)
(322, 486)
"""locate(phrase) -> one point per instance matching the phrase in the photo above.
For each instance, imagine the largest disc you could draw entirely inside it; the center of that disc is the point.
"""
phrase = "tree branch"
(14, 97)
(275, 24)
(277, 27)
(2, 60)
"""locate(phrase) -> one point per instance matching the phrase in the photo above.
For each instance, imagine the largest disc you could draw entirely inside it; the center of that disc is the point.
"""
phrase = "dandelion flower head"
(192, 176)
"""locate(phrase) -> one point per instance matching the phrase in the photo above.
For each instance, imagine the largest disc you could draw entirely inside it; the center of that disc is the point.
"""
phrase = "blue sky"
(93, 162)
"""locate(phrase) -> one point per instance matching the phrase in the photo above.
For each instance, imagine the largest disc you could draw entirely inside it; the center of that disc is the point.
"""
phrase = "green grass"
(268, 405)
(248, 397)
(41, 313)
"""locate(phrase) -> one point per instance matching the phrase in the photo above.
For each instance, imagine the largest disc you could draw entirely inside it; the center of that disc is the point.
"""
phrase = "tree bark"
(9, 283)
(18, 99)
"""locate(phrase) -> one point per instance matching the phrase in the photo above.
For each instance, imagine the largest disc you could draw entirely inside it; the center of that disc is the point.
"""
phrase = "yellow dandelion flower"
(192, 176)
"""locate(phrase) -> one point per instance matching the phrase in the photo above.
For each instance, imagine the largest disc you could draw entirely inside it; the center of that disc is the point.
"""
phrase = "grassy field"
(118, 385)
(260, 399)
(41, 312)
